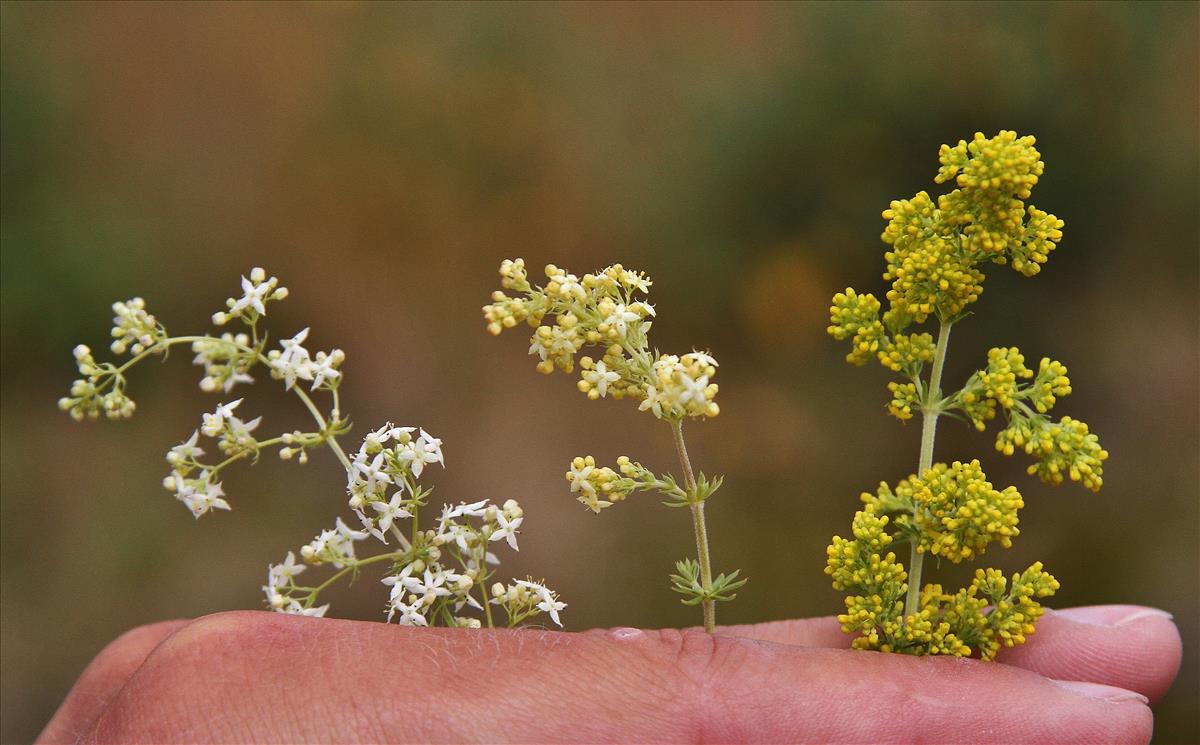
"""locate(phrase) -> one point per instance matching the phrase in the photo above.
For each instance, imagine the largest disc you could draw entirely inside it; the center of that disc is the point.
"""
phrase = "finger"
(102, 678)
(1129, 646)
(824, 631)
(275, 678)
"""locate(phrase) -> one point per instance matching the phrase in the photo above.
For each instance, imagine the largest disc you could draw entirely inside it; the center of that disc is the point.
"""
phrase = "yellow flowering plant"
(936, 251)
(607, 311)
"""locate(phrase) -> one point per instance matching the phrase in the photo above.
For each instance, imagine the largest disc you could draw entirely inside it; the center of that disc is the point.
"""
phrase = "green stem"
(698, 525)
(931, 409)
(330, 440)
(350, 568)
(487, 600)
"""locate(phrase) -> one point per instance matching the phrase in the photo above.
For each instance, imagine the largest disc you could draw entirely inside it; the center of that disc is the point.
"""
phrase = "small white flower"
(692, 390)
(580, 480)
(215, 422)
(508, 530)
(548, 601)
(253, 296)
(389, 511)
(281, 575)
(410, 615)
(601, 377)
(324, 368)
(474, 509)
(620, 319)
(199, 495)
(368, 474)
(429, 586)
(653, 402)
(704, 358)
(425, 449)
(349, 534)
(240, 431)
(294, 361)
(185, 451)
(296, 609)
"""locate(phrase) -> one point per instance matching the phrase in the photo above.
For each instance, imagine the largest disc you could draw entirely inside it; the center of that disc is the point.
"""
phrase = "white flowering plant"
(440, 572)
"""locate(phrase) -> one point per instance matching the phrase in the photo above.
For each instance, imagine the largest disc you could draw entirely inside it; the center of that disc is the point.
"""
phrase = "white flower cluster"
(436, 574)
(524, 598)
(681, 387)
(294, 363)
(134, 329)
(200, 493)
(226, 360)
(257, 291)
(390, 458)
(102, 389)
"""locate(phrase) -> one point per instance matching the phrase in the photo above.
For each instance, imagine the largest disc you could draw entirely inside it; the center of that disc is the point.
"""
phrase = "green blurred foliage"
(382, 159)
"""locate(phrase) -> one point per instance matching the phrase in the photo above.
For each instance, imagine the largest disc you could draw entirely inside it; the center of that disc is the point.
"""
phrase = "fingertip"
(1126, 646)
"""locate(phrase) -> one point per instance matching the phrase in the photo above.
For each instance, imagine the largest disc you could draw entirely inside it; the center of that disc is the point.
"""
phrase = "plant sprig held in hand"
(937, 248)
(437, 574)
(607, 311)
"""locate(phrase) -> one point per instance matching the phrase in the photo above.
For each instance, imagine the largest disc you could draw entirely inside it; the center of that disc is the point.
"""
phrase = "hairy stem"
(931, 409)
(312, 598)
(698, 525)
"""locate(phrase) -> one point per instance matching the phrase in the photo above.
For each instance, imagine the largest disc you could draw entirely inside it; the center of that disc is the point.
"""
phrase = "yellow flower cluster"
(1063, 448)
(904, 400)
(929, 270)
(994, 175)
(954, 510)
(1002, 163)
(606, 310)
(1000, 381)
(907, 353)
(979, 619)
(937, 245)
(598, 487)
(1051, 384)
(857, 316)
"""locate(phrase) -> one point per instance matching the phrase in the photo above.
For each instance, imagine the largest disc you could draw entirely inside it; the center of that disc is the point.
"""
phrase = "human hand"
(263, 677)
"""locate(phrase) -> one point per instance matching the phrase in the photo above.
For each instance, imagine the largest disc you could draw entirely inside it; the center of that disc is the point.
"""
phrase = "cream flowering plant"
(607, 311)
(438, 568)
(937, 248)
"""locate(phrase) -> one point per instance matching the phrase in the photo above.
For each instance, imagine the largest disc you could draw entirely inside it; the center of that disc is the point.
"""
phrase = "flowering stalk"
(708, 604)
(931, 409)
(952, 511)
(434, 575)
(607, 310)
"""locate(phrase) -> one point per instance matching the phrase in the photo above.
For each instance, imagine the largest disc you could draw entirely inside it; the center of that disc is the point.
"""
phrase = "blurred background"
(383, 159)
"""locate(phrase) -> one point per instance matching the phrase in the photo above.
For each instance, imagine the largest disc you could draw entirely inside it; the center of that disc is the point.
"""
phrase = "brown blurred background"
(382, 160)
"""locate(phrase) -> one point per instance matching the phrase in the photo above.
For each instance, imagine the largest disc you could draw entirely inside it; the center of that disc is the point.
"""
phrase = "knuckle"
(137, 642)
(177, 679)
(701, 666)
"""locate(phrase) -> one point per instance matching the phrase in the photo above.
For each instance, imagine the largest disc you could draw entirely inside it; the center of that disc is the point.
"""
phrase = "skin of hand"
(1087, 675)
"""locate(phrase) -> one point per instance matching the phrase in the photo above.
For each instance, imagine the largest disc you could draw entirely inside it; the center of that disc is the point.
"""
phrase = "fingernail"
(1111, 615)
(1100, 692)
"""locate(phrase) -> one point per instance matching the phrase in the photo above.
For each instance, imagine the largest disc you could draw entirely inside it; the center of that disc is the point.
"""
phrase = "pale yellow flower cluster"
(607, 310)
